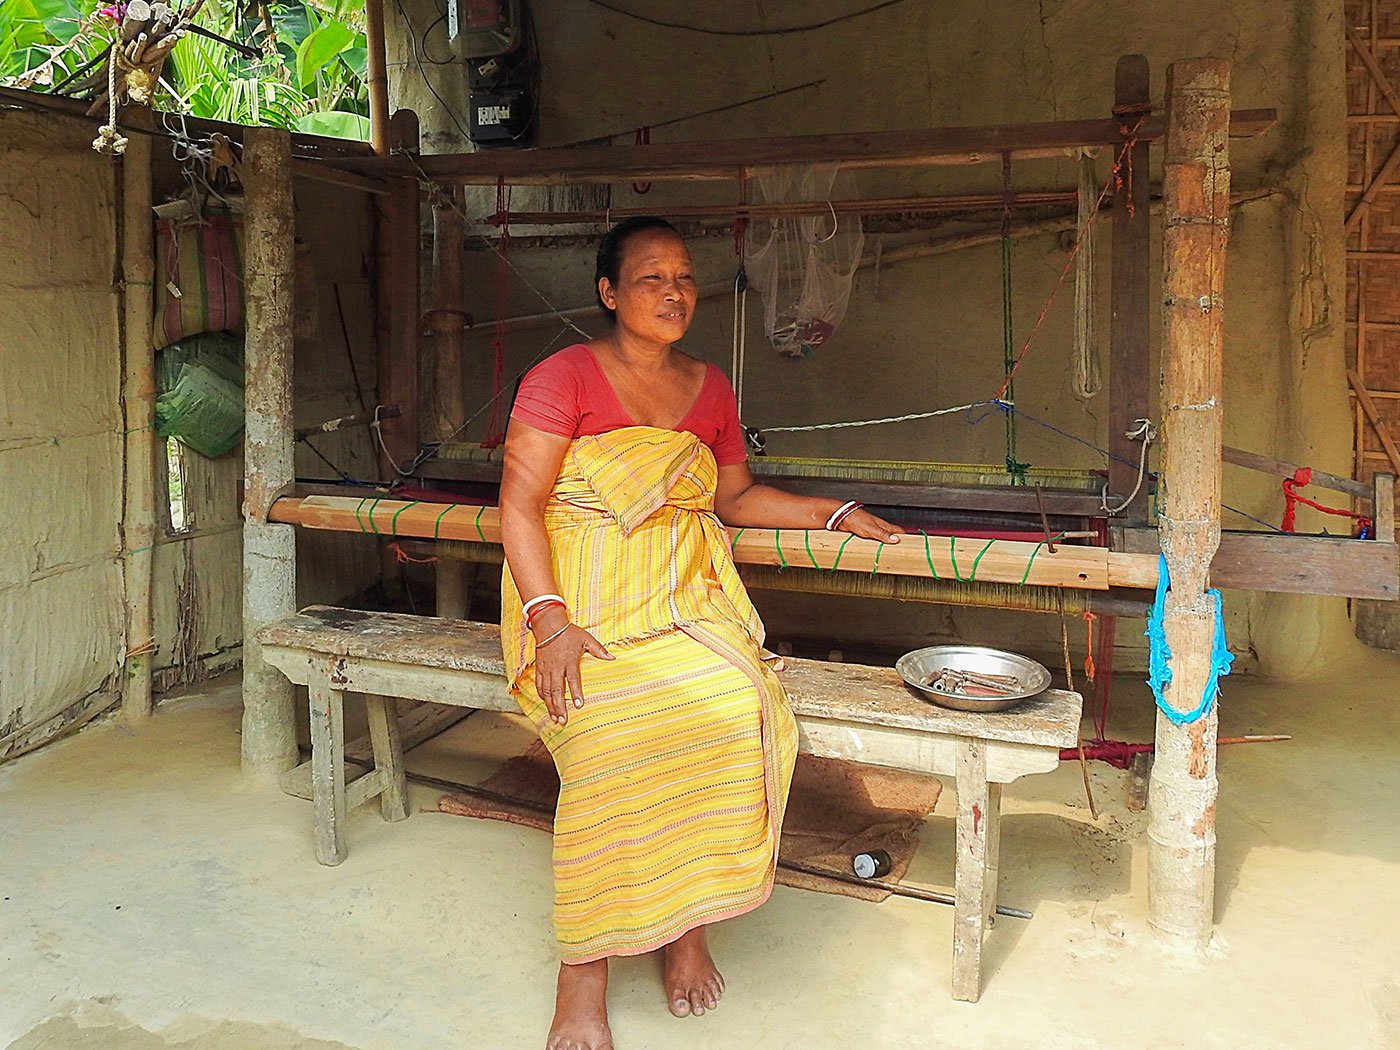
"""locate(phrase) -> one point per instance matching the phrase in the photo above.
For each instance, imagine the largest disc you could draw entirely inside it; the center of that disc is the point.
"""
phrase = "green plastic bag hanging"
(200, 400)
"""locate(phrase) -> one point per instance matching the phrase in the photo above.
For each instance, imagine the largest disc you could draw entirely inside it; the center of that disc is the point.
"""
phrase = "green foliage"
(310, 74)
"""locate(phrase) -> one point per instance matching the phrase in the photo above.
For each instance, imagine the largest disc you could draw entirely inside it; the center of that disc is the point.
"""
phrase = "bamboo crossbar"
(931, 557)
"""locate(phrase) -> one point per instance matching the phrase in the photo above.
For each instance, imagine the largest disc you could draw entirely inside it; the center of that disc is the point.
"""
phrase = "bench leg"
(388, 755)
(993, 823)
(970, 878)
(328, 770)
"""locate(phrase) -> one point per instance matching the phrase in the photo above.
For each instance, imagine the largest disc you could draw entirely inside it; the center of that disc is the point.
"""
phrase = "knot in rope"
(111, 142)
(1302, 477)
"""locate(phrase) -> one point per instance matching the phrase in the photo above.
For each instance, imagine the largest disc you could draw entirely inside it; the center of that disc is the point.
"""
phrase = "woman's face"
(655, 292)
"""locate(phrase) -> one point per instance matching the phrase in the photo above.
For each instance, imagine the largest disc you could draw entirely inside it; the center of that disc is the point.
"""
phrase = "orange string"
(405, 558)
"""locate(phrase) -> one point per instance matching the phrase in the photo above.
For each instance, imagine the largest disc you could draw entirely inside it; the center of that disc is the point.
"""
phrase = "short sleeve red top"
(567, 394)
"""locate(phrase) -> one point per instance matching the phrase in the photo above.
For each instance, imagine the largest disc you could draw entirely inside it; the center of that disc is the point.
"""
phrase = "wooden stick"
(377, 77)
(1004, 561)
(726, 159)
(1363, 396)
(1280, 469)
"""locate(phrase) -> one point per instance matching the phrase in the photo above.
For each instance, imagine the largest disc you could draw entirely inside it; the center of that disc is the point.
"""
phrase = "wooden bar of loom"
(932, 557)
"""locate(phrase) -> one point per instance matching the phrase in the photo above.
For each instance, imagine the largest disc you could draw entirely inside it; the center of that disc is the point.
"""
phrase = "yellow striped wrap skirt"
(675, 773)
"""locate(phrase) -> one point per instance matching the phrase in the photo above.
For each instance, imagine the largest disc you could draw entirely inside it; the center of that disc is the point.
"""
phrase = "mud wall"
(61, 443)
(927, 334)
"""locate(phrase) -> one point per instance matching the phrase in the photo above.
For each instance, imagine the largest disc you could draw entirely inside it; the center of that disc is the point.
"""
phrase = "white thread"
(888, 419)
(835, 225)
(1146, 433)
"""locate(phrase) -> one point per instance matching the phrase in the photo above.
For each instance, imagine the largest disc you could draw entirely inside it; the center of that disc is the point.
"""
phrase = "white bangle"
(556, 634)
(525, 609)
(841, 512)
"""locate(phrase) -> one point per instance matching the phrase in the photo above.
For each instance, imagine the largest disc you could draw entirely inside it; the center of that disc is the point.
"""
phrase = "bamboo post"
(269, 550)
(448, 329)
(138, 411)
(377, 76)
(1196, 190)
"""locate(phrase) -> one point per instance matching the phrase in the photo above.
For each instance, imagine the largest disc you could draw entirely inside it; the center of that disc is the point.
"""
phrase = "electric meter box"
(483, 28)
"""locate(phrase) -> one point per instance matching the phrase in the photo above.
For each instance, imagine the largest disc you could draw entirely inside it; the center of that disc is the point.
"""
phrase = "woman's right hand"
(557, 674)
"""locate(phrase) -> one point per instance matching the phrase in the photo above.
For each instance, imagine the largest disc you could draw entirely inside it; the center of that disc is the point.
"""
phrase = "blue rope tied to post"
(1159, 671)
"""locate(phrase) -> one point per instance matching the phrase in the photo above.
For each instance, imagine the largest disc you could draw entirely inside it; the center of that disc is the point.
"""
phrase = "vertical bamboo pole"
(1196, 188)
(449, 389)
(377, 76)
(269, 550)
(1129, 360)
(138, 413)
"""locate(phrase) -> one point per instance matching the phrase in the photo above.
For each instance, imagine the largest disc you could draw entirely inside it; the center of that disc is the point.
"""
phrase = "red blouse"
(567, 394)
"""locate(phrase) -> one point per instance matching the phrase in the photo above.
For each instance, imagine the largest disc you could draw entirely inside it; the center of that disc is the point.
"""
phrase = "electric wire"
(779, 31)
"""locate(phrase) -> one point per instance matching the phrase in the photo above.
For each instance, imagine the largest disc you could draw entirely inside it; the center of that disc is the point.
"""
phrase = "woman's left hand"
(860, 522)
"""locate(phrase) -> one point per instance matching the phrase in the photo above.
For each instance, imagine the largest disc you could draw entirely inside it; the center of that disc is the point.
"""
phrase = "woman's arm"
(532, 463)
(739, 500)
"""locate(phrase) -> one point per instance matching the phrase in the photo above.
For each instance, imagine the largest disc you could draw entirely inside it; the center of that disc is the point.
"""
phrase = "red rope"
(1301, 477)
(404, 557)
(495, 429)
(1115, 179)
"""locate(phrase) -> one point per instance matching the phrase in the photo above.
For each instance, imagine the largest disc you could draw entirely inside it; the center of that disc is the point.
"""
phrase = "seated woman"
(631, 644)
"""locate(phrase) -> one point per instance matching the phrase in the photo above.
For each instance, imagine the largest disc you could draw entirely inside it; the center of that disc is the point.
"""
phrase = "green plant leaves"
(319, 49)
(335, 124)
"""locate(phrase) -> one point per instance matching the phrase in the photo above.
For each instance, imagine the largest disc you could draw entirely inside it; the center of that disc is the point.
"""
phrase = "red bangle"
(530, 619)
(842, 516)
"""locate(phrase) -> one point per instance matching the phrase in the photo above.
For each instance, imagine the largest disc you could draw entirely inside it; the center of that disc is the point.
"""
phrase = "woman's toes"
(697, 1002)
(680, 1006)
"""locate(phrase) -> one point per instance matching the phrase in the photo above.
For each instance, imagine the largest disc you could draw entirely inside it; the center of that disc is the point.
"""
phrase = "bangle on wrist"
(841, 513)
(541, 644)
(551, 604)
(538, 599)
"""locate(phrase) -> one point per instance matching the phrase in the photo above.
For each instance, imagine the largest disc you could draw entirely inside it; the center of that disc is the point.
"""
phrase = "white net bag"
(802, 264)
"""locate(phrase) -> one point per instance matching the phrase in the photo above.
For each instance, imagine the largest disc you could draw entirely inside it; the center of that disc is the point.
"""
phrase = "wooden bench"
(848, 711)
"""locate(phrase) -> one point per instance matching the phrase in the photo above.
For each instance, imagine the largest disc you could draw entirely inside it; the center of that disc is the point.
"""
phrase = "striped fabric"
(675, 772)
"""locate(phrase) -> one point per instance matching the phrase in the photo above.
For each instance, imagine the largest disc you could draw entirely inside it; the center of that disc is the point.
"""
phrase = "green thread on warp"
(778, 546)
(807, 539)
(1031, 561)
(370, 515)
(438, 524)
(735, 545)
(358, 508)
(394, 521)
(879, 549)
(973, 574)
(479, 513)
(841, 551)
(928, 556)
(953, 557)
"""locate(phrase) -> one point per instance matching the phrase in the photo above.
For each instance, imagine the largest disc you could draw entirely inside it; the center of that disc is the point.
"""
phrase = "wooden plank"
(1001, 561)
(1377, 423)
(1279, 468)
(418, 723)
(725, 159)
(386, 644)
(1383, 504)
(364, 788)
(1129, 361)
(1293, 564)
(855, 740)
(992, 816)
(388, 756)
(970, 879)
(314, 171)
(328, 769)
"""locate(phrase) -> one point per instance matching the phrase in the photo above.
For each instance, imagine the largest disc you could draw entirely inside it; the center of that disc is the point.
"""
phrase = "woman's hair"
(611, 249)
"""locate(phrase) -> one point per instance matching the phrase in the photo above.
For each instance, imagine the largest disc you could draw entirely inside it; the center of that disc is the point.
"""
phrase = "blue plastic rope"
(1159, 671)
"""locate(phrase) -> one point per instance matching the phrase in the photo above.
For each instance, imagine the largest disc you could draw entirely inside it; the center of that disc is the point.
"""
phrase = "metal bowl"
(922, 664)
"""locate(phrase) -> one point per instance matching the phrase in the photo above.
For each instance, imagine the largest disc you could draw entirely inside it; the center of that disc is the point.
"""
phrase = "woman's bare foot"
(581, 1008)
(693, 985)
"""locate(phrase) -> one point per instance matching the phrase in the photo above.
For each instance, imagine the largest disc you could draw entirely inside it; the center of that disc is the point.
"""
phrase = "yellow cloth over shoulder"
(675, 772)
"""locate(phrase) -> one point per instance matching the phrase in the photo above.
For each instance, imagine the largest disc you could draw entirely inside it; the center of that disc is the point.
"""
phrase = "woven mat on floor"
(836, 810)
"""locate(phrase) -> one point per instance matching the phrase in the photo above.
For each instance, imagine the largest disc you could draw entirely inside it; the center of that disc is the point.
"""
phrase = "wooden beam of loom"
(942, 557)
(729, 158)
